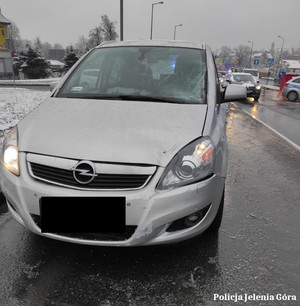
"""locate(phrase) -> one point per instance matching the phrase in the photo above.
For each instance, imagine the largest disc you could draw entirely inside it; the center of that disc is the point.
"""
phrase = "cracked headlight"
(191, 164)
(10, 154)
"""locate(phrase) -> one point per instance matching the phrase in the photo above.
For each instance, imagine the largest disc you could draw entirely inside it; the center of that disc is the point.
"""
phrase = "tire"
(214, 227)
(256, 98)
(292, 96)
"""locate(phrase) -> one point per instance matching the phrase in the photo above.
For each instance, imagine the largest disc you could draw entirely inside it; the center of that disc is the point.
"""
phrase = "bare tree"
(242, 55)
(225, 54)
(37, 43)
(105, 31)
(42, 47)
(15, 37)
(81, 45)
(95, 38)
(58, 46)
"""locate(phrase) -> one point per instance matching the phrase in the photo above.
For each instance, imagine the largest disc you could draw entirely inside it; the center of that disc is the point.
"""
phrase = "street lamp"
(121, 20)
(152, 17)
(280, 53)
(249, 41)
(177, 25)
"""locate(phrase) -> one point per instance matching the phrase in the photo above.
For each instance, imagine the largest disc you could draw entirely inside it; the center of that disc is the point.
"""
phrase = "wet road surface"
(277, 113)
(257, 250)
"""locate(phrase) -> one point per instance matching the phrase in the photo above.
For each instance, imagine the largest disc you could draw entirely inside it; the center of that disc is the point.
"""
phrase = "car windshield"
(161, 74)
(243, 78)
(253, 72)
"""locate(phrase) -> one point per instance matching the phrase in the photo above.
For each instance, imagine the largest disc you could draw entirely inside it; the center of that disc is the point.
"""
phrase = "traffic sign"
(256, 62)
(271, 60)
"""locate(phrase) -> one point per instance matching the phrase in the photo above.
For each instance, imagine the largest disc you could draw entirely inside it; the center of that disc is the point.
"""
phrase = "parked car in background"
(246, 80)
(291, 89)
(253, 72)
(138, 156)
(221, 77)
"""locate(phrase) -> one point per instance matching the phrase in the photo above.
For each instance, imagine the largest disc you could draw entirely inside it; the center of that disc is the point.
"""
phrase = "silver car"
(246, 80)
(136, 157)
(291, 89)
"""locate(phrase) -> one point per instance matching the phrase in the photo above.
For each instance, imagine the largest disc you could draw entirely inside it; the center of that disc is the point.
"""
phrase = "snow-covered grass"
(15, 104)
(30, 82)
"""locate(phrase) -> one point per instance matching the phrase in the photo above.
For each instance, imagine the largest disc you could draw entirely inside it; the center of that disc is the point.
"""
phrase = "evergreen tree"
(35, 66)
(19, 61)
(70, 58)
(108, 28)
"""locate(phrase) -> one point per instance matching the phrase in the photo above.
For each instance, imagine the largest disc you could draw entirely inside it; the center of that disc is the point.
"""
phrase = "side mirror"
(257, 82)
(53, 85)
(235, 92)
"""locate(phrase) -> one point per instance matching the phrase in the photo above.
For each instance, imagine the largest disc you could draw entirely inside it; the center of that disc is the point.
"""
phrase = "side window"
(297, 80)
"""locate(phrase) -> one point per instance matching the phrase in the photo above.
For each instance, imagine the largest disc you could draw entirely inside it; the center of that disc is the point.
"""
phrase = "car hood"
(110, 130)
(245, 84)
(248, 84)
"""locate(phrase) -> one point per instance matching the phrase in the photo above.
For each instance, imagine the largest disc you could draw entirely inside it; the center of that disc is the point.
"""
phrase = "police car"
(291, 89)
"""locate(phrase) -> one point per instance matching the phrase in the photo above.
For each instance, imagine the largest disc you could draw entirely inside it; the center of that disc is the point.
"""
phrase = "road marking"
(276, 132)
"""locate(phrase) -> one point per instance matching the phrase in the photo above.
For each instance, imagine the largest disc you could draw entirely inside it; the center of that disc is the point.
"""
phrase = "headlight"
(258, 87)
(10, 154)
(193, 163)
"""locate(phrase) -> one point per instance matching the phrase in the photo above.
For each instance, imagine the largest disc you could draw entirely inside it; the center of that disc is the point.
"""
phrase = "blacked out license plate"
(83, 214)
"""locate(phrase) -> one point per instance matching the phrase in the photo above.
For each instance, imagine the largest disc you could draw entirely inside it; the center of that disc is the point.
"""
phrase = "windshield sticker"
(77, 89)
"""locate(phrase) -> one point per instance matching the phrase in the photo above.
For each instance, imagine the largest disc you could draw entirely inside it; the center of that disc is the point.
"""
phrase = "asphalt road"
(277, 113)
(257, 250)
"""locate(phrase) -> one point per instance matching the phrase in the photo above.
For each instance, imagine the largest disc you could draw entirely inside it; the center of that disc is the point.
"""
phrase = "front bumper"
(253, 93)
(149, 211)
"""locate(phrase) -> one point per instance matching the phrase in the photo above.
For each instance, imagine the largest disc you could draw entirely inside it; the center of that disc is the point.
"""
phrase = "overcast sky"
(216, 22)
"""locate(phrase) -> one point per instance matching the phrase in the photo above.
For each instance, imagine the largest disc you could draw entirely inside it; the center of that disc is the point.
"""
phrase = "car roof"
(157, 43)
(241, 73)
(294, 78)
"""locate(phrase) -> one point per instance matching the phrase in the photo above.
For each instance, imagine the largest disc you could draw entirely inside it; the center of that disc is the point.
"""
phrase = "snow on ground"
(15, 104)
(30, 82)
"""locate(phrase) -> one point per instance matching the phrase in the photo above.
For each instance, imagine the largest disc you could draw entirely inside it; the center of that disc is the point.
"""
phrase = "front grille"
(129, 231)
(251, 88)
(101, 181)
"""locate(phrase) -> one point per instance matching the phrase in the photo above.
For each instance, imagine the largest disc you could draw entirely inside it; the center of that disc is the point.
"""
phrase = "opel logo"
(84, 172)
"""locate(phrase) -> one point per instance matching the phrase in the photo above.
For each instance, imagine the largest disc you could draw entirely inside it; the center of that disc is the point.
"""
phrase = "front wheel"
(292, 96)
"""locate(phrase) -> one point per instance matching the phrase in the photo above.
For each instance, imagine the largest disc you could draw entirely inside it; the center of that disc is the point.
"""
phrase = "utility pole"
(250, 65)
(121, 20)
(280, 54)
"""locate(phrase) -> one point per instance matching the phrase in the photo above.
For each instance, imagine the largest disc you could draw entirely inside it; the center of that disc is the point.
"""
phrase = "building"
(262, 58)
(57, 54)
(291, 66)
(57, 68)
(6, 67)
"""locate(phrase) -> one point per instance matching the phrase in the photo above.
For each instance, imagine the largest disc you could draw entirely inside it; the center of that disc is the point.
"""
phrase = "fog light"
(188, 221)
(193, 219)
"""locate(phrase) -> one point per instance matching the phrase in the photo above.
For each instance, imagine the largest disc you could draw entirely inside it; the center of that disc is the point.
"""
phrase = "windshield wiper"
(128, 98)
(149, 98)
